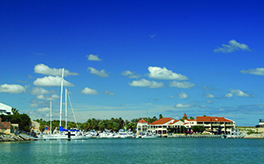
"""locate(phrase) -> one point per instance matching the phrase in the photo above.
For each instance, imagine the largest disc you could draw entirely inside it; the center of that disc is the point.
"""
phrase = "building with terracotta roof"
(216, 125)
(142, 126)
(160, 126)
(7, 127)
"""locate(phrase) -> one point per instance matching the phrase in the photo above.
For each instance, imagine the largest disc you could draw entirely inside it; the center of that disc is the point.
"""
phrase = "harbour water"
(160, 150)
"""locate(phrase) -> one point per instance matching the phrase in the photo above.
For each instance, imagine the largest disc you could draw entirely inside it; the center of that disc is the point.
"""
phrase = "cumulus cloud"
(183, 95)
(130, 74)
(232, 46)
(43, 110)
(101, 73)
(39, 91)
(183, 105)
(89, 91)
(257, 71)
(163, 73)
(109, 93)
(12, 88)
(236, 92)
(45, 70)
(51, 81)
(34, 105)
(181, 84)
(92, 57)
(146, 83)
(209, 101)
(48, 98)
(209, 95)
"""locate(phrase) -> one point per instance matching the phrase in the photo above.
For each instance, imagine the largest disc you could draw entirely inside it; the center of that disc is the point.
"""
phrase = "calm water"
(161, 150)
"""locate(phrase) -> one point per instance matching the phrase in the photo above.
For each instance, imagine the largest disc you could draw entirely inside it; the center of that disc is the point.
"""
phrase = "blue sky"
(133, 59)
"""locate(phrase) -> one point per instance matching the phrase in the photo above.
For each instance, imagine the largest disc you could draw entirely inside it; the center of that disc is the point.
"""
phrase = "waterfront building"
(7, 127)
(261, 122)
(142, 126)
(5, 109)
(160, 126)
(213, 125)
(216, 125)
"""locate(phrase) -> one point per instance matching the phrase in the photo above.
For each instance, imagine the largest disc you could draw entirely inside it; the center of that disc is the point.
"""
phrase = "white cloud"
(45, 110)
(163, 73)
(89, 91)
(45, 70)
(209, 101)
(146, 83)
(209, 95)
(228, 95)
(101, 73)
(257, 71)
(51, 81)
(33, 105)
(181, 84)
(12, 88)
(232, 46)
(93, 57)
(183, 105)
(236, 92)
(39, 91)
(48, 98)
(130, 74)
(109, 93)
(183, 95)
(126, 73)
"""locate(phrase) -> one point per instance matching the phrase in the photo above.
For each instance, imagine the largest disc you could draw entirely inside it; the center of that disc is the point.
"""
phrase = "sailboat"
(70, 134)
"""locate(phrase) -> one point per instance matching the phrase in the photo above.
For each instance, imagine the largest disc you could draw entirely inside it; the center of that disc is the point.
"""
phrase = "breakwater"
(10, 138)
(254, 136)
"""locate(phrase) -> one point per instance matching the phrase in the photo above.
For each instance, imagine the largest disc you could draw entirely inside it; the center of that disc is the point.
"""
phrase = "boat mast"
(61, 94)
(50, 118)
(66, 108)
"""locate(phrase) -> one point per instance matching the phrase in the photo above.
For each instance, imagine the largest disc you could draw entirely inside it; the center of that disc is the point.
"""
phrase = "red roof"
(142, 121)
(162, 121)
(5, 125)
(174, 122)
(211, 119)
(185, 115)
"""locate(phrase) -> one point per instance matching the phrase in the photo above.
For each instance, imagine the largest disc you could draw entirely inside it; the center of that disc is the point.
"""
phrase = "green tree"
(101, 125)
(14, 111)
(160, 116)
(183, 129)
(191, 118)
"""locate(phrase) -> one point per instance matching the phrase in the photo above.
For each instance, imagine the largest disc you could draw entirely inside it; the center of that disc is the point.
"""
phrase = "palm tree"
(14, 111)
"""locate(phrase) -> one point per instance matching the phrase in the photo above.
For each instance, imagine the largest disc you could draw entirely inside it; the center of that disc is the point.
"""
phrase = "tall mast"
(61, 94)
(66, 94)
(50, 118)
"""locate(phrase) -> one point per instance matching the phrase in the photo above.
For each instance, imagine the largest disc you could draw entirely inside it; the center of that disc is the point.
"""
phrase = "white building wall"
(5, 109)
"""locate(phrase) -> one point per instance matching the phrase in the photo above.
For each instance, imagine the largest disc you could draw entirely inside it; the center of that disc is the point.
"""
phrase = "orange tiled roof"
(174, 122)
(211, 119)
(142, 121)
(185, 115)
(162, 121)
(5, 125)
